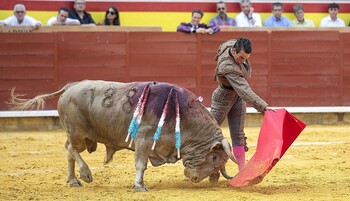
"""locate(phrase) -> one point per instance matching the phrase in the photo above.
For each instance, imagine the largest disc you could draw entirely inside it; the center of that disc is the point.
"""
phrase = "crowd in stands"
(77, 16)
(246, 18)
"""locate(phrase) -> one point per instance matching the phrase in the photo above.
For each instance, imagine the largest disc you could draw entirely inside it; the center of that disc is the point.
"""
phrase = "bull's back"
(97, 110)
(102, 111)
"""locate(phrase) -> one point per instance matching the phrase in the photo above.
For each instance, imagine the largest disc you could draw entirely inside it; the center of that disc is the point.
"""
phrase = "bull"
(94, 112)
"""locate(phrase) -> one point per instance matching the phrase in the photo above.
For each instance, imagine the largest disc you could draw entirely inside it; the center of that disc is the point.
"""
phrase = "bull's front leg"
(214, 178)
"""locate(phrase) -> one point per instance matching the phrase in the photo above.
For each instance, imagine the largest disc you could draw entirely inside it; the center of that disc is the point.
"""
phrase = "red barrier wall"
(290, 68)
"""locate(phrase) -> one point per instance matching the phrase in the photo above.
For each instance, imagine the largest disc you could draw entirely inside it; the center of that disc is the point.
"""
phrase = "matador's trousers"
(227, 103)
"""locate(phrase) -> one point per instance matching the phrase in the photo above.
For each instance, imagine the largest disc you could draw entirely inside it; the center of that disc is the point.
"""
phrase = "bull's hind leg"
(72, 180)
(74, 156)
(141, 159)
(142, 153)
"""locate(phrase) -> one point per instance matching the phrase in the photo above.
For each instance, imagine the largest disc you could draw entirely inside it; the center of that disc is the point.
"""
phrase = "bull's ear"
(216, 146)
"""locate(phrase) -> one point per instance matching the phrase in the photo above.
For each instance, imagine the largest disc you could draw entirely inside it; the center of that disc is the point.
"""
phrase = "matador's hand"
(269, 109)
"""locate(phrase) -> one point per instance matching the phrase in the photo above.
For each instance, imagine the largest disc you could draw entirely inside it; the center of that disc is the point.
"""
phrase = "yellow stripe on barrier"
(167, 20)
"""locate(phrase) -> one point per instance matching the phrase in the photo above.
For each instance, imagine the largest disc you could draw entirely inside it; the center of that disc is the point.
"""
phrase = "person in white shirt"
(332, 20)
(247, 18)
(20, 18)
(62, 18)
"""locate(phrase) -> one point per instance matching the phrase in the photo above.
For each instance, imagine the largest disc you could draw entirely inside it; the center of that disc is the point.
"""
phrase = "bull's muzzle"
(192, 175)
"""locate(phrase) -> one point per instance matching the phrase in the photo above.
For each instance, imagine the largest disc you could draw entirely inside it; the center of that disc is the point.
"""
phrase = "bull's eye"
(214, 157)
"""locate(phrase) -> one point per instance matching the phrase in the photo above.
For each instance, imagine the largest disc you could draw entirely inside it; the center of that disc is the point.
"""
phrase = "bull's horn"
(228, 149)
(223, 172)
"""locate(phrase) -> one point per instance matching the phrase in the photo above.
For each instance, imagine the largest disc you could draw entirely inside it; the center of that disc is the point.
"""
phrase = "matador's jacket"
(231, 75)
(230, 97)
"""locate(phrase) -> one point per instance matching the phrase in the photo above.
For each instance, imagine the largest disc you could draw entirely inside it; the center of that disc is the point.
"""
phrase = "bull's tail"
(38, 102)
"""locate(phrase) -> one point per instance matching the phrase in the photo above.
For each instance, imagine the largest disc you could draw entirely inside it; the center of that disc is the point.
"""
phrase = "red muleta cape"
(278, 131)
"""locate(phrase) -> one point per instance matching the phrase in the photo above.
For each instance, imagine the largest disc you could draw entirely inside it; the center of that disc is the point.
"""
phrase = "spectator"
(195, 27)
(222, 19)
(300, 21)
(80, 13)
(332, 20)
(277, 20)
(20, 18)
(247, 18)
(111, 17)
(62, 18)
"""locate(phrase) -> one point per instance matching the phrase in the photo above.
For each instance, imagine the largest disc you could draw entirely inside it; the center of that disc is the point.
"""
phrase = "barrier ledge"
(26, 29)
(250, 110)
(44, 120)
(31, 113)
(328, 109)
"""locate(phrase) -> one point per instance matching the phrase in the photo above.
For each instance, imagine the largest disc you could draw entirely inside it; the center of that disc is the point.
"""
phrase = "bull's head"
(209, 162)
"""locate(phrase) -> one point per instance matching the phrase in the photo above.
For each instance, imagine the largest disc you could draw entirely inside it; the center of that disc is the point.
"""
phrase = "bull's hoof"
(140, 189)
(86, 175)
(214, 178)
(74, 183)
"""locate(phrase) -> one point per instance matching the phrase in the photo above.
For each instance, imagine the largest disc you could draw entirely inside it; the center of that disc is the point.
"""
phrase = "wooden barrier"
(82, 28)
(290, 67)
